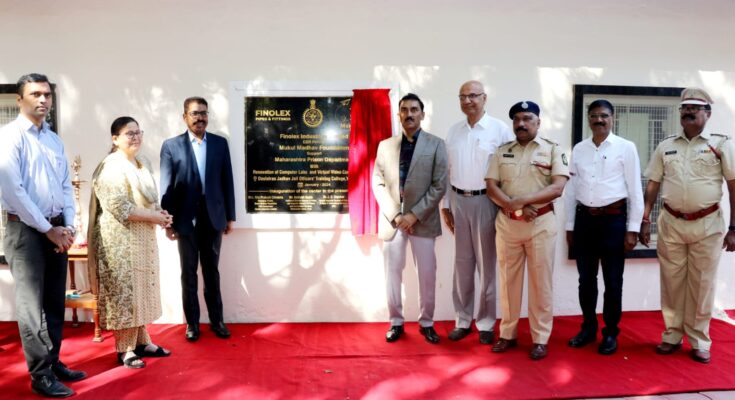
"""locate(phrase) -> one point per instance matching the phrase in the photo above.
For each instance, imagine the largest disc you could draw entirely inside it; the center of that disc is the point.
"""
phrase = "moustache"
(688, 116)
(521, 130)
(409, 119)
(599, 124)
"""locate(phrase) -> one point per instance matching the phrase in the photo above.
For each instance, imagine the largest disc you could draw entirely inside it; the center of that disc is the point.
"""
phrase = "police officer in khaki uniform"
(690, 167)
(524, 177)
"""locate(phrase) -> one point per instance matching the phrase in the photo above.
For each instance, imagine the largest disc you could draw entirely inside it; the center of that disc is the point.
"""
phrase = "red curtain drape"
(370, 122)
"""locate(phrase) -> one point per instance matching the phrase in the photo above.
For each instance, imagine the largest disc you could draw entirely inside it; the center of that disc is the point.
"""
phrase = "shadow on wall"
(7, 294)
(278, 285)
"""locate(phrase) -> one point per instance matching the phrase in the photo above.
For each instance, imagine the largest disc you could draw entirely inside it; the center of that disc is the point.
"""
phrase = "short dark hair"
(117, 125)
(411, 96)
(195, 99)
(120, 123)
(601, 103)
(28, 78)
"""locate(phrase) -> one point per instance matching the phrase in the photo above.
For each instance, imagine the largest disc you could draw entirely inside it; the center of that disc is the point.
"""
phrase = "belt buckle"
(467, 193)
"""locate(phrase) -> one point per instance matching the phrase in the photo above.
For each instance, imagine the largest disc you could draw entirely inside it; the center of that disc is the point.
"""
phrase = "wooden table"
(86, 299)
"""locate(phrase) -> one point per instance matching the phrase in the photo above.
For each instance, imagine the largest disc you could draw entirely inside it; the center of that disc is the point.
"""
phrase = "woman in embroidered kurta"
(124, 212)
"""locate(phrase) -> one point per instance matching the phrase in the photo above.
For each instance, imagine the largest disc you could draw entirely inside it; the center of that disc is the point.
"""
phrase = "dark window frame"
(579, 115)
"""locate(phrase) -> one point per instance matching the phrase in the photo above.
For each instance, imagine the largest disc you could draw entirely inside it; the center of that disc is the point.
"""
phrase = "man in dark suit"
(196, 182)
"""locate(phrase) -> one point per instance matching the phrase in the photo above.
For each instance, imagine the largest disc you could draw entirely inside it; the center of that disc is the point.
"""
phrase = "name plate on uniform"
(296, 152)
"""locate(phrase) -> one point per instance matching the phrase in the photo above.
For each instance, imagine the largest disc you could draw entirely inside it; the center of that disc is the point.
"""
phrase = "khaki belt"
(55, 221)
(517, 215)
(616, 208)
(469, 193)
(692, 216)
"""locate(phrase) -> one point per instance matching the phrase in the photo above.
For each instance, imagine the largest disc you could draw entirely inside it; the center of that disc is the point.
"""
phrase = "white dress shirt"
(603, 175)
(200, 153)
(34, 174)
(470, 149)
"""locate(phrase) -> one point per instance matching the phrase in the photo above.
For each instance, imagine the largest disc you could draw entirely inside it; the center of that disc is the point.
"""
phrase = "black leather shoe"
(192, 333)
(582, 339)
(503, 345)
(394, 333)
(538, 351)
(430, 334)
(702, 356)
(459, 333)
(63, 373)
(487, 337)
(49, 386)
(220, 330)
(667, 348)
(608, 346)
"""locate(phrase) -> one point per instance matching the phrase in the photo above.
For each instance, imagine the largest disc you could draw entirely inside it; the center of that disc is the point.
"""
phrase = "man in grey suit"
(409, 181)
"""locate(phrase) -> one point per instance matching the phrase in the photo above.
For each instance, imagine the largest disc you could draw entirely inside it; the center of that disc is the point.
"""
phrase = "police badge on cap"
(524, 106)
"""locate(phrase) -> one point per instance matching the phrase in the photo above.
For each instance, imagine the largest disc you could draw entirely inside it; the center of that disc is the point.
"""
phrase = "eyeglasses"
(132, 134)
(471, 96)
(691, 109)
(198, 113)
(603, 116)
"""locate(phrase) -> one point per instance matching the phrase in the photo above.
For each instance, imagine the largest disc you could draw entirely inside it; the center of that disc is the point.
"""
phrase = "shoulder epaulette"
(714, 148)
(507, 143)
(550, 141)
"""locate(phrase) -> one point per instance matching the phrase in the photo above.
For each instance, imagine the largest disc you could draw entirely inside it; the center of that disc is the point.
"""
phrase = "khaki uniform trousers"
(531, 243)
(689, 252)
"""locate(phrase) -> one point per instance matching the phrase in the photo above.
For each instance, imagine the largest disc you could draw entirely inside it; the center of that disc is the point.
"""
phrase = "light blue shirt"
(200, 153)
(35, 183)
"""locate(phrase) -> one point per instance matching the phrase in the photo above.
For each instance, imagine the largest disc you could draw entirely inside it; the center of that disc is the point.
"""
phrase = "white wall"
(143, 58)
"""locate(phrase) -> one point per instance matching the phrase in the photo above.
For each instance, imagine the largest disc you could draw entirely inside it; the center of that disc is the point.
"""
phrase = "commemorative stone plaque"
(296, 152)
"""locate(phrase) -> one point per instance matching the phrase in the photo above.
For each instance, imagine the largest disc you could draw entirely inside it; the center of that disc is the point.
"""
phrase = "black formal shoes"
(459, 333)
(701, 356)
(487, 337)
(503, 345)
(538, 351)
(608, 346)
(667, 348)
(49, 386)
(220, 330)
(430, 334)
(192, 333)
(394, 333)
(582, 339)
(63, 373)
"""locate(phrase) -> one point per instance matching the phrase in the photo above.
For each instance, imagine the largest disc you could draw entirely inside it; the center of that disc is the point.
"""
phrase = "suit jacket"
(181, 187)
(424, 188)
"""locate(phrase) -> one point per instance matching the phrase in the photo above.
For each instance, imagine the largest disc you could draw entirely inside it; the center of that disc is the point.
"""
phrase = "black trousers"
(40, 284)
(202, 244)
(600, 240)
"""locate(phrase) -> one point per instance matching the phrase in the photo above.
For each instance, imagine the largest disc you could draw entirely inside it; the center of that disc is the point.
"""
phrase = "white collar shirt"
(469, 150)
(603, 175)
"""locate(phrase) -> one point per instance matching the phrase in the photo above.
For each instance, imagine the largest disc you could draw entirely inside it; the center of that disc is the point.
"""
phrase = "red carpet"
(353, 361)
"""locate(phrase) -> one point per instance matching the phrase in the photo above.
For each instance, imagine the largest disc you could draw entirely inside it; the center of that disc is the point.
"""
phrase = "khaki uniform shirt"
(690, 170)
(527, 169)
